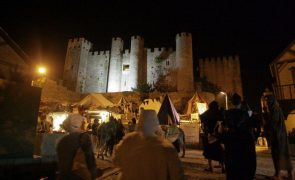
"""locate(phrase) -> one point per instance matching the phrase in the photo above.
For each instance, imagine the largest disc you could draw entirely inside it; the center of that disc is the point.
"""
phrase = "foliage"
(144, 88)
(159, 59)
(208, 86)
(162, 85)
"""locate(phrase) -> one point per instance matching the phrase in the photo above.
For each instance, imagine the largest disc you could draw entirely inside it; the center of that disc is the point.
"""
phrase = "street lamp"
(226, 101)
(42, 70)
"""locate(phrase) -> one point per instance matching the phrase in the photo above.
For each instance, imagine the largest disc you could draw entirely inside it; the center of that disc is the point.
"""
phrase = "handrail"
(285, 92)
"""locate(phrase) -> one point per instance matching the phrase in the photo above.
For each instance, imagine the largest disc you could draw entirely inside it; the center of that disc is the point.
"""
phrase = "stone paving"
(194, 165)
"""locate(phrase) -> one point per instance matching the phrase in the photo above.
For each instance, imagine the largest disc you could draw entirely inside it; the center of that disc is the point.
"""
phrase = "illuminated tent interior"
(196, 105)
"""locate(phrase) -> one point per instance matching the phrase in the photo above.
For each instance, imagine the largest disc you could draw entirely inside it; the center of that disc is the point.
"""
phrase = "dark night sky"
(256, 31)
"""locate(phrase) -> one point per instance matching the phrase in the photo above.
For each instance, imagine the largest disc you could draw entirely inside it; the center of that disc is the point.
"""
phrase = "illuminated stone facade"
(120, 70)
(224, 72)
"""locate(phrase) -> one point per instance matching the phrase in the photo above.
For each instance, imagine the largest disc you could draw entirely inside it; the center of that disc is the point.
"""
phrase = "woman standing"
(212, 147)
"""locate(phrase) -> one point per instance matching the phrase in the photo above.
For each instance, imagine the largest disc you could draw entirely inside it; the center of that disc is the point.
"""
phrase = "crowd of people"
(142, 150)
(229, 137)
(134, 154)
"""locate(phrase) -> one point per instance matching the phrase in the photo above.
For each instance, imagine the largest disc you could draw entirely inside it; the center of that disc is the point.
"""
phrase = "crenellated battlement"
(159, 50)
(183, 34)
(104, 52)
(223, 71)
(117, 39)
(127, 51)
(95, 53)
(136, 38)
(79, 40)
(140, 61)
(221, 58)
(79, 43)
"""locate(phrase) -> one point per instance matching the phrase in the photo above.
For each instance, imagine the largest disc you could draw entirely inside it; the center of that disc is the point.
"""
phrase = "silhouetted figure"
(278, 136)
(211, 143)
(145, 155)
(240, 155)
(264, 111)
(132, 125)
(75, 156)
(94, 128)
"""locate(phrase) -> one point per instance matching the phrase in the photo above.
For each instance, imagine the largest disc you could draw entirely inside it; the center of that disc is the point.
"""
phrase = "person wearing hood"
(146, 154)
(74, 151)
(278, 136)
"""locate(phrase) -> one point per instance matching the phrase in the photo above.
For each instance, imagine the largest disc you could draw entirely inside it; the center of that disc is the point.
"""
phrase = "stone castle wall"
(223, 72)
(115, 65)
(159, 61)
(126, 70)
(184, 63)
(136, 61)
(96, 76)
(76, 63)
(54, 92)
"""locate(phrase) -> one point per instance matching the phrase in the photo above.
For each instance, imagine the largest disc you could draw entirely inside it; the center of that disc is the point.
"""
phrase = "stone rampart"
(54, 92)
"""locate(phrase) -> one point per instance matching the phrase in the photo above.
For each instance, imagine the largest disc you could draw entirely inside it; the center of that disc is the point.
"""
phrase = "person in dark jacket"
(94, 128)
(211, 144)
(240, 155)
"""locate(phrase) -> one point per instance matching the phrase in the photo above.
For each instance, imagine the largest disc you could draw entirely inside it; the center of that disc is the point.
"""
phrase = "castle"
(122, 69)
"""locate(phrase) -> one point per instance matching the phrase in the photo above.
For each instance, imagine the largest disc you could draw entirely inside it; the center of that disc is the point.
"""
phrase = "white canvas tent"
(195, 105)
(96, 100)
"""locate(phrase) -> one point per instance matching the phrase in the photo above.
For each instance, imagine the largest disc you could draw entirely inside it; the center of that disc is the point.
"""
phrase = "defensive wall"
(55, 92)
(223, 72)
(127, 69)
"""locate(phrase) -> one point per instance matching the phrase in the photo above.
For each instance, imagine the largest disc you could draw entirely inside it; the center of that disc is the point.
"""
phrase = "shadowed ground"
(194, 165)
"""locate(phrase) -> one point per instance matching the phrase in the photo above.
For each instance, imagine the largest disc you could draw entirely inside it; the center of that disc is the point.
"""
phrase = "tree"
(162, 85)
(208, 86)
(143, 88)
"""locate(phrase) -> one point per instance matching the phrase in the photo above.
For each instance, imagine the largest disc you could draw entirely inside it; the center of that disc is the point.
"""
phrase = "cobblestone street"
(194, 165)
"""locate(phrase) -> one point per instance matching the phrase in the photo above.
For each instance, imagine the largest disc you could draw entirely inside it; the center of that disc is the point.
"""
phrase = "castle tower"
(136, 58)
(237, 85)
(76, 64)
(115, 69)
(184, 62)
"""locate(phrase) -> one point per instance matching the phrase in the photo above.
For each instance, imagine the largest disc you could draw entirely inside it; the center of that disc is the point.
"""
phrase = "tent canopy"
(167, 113)
(191, 106)
(122, 101)
(96, 100)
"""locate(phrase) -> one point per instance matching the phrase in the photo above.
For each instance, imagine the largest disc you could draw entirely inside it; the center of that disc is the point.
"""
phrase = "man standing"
(240, 155)
(75, 156)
